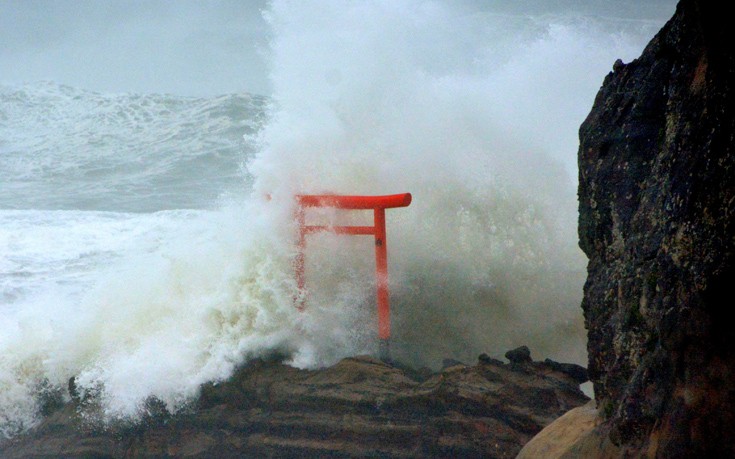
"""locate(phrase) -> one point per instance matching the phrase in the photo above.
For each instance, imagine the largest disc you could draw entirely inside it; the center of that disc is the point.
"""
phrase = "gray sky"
(187, 47)
(184, 47)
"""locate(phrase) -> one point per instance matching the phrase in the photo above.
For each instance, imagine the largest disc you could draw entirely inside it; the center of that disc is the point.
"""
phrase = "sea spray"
(475, 114)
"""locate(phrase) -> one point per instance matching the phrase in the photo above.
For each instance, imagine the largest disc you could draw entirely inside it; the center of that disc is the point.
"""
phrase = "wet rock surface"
(657, 200)
(358, 407)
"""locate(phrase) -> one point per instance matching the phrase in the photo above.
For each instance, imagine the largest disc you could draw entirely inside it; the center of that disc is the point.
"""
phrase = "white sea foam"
(67, 148)
(170, 315)
(475, 114)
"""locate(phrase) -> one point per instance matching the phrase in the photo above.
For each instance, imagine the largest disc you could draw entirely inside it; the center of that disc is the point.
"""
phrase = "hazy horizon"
(199, 48)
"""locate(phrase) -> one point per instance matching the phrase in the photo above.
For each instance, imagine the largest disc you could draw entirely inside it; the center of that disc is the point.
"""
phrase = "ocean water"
(138, 252)
(98, 194)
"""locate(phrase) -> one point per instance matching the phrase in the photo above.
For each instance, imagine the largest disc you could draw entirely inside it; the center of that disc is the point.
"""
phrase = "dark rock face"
(359, 407)
(657, 200)
(519, 355)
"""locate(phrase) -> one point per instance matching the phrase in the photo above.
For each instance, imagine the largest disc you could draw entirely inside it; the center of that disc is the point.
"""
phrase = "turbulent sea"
(138, 253)
(85, 176)
(88, 179)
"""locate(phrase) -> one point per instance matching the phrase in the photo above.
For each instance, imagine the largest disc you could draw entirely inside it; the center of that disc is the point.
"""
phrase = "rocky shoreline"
(359, 407)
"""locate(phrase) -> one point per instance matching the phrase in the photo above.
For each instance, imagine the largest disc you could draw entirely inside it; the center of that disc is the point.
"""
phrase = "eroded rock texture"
(361, 407)
(657, 198)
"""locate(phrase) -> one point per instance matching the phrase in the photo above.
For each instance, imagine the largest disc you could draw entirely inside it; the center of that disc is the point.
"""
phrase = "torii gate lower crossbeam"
(378, 204)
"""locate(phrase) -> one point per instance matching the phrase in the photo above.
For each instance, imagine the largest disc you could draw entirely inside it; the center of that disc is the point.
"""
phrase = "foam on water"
(475, 114)
(173, 314)
(41, 249)
(67, 148)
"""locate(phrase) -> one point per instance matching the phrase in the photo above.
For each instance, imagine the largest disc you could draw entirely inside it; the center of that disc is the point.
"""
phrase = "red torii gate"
(378, 204)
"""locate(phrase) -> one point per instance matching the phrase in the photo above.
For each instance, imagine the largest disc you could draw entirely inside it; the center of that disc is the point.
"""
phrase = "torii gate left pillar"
(378, 204)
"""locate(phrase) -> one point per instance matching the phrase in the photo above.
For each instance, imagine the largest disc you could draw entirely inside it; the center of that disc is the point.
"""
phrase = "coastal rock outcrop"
(358, 407)
(657, 200)
(573, 435)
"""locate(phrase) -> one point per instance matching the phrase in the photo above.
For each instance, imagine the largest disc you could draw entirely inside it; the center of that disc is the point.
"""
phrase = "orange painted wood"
(381, 275)
(364, 230)
(378, 204)
(354, 202)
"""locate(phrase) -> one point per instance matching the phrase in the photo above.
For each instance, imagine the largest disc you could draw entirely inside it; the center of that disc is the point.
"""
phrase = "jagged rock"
(446, 363)
(618, 65)
(72, 388)
(519, 355)
(358, 407)
(657, 200)
(576, 372)
(484, 359)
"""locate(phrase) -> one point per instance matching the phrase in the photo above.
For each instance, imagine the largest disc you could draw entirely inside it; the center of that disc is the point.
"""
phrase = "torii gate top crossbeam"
(354, 202)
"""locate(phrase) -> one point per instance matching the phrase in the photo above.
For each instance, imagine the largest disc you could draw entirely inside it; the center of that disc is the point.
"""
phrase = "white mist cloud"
(198, 48)
(476, 115)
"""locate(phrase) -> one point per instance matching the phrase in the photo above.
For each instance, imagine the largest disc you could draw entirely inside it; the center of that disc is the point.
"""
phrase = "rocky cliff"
(359, 407)
(657, 200)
